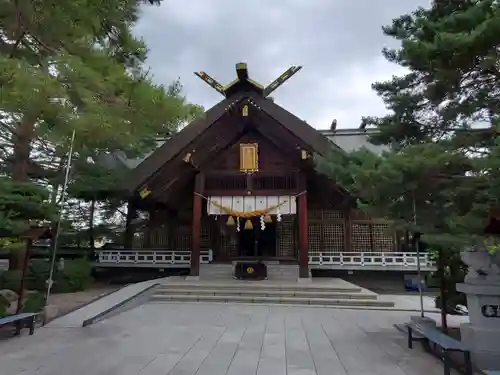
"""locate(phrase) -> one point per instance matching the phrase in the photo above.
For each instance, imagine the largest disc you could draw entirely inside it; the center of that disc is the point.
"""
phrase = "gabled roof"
(178, 142)
(315, 141)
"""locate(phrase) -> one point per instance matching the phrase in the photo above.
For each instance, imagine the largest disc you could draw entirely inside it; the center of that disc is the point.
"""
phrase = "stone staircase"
(336, 293)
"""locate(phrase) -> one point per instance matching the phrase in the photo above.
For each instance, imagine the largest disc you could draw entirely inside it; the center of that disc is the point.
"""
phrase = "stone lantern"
(482, 288)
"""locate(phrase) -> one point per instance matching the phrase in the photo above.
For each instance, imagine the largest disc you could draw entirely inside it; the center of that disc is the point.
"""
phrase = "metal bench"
(445, 342)
(26, 319)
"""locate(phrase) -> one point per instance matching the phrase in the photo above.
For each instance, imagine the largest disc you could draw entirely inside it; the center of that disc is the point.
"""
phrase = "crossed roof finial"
(244, 83)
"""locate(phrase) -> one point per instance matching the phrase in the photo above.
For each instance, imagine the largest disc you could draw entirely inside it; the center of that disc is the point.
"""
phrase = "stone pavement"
(225, 339)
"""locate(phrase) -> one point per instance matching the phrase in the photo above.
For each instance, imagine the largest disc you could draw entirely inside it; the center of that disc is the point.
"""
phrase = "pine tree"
(75, 66)
(441, 177)
(438, 157)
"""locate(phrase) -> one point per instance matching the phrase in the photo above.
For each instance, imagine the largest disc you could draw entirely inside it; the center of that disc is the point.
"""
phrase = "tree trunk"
(442, 290)
(91, 224)
(24, 268)
(21, 150)
(407, 241)
(20, 164)
(129, 228)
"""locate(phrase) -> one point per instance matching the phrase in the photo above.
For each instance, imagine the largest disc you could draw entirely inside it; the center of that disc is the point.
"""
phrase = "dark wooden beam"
(242, 71)
(315, 141)
(196, 226)
(202, 150)
(281, 80)
(276, 133)
(178, 143)
(168, 193)
(211, 82)
(303, 230)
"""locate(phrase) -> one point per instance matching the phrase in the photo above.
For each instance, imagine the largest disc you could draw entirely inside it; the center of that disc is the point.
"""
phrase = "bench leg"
(468, 363)
(446, 362)
(410, 338)
(32, 325)
(19, 325)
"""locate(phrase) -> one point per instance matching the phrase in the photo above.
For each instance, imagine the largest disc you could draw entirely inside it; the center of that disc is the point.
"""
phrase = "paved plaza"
(213, 339)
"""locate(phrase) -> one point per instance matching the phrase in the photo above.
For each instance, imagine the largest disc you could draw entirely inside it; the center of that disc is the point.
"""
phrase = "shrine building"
(239, 184)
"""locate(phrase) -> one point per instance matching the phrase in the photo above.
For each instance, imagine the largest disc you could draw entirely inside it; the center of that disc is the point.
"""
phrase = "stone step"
(271, 300)
(265, 293)
(259, 286)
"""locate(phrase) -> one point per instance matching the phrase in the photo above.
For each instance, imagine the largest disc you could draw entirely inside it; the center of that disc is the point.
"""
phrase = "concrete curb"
(110, 310)
(293, 305)
(85, 304)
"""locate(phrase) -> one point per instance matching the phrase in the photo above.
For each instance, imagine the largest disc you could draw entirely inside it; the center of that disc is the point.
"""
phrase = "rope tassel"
(248, 225)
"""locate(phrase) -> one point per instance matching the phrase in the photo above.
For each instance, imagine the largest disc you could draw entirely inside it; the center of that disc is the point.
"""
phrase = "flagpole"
(61, 212)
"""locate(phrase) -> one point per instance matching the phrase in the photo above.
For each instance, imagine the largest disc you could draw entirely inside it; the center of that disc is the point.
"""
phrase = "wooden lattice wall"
(371, 235)
(286, 237)
(326, 231)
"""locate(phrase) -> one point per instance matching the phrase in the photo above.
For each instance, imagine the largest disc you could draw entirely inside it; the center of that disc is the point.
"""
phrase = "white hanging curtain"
(253, 203)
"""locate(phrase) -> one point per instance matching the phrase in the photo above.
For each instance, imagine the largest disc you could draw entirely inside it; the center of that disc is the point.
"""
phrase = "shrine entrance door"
(255, 241)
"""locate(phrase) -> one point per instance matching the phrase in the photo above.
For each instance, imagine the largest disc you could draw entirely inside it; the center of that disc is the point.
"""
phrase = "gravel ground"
(67, 302)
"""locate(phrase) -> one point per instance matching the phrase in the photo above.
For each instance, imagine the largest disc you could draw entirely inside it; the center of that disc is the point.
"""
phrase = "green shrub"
(34, 303)
(76, 276)
(11, 280)
(37, 274)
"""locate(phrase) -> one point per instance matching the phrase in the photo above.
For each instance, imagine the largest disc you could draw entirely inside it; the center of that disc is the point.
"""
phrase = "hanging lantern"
(268, 219)
(248, 224)
(230, 221)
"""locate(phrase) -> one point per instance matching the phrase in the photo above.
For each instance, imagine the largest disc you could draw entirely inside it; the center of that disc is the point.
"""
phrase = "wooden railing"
(149, 257)
(389, 261)
(376, 261)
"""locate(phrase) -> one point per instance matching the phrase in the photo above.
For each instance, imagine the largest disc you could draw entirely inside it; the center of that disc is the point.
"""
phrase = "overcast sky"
(338, 43)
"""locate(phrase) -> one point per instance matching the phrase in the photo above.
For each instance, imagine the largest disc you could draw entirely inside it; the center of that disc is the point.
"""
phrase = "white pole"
(61, 208)
(417, 248)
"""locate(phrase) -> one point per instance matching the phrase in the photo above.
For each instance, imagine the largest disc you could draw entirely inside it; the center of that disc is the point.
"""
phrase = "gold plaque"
(250, 270)
(249, 157)
(144, 193)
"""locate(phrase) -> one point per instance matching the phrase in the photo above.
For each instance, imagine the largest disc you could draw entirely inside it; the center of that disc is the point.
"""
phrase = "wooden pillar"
(196, 231)
(303, 236)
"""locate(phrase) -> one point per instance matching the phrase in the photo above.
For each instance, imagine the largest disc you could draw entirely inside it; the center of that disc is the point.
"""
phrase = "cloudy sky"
(338, 43)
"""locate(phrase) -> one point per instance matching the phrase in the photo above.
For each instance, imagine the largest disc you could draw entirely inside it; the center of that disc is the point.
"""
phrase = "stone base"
(49, 313)
(483, 343)
(479, 296)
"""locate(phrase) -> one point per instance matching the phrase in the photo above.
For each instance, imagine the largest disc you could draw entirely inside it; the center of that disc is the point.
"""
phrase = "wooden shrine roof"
(313, 140)
(165, 171)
